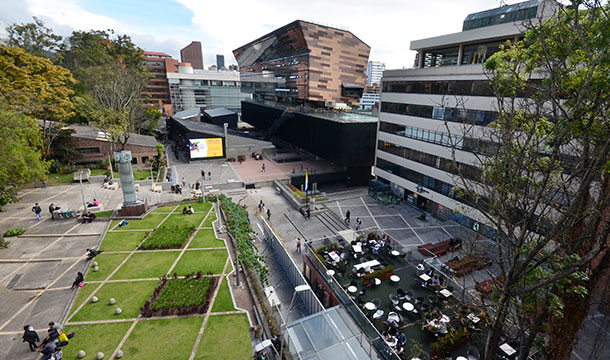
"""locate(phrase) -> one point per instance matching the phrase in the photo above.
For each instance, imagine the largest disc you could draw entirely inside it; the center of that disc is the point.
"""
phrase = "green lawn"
(104, 214)
(129, 296)
(201, 260)
(223, 300)
(203, 207)
(96, 172)
(83, 292)
(149, 222)
(107, 263)
(164, 209)
(183, 292)
(122, 241)
(163, 339)
(209, 220)
(143, 265)
(60, 179)
(226, 337)
(94, 338)
(184, 220)
(205, 239)
(168, 237)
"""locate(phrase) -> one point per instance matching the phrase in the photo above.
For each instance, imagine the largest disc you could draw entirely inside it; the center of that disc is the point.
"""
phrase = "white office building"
(414, 156)
(206, 89)
(374, 72)
(368, 100)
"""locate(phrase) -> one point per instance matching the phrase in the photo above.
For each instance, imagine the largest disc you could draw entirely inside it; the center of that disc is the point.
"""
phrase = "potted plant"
(450, 342)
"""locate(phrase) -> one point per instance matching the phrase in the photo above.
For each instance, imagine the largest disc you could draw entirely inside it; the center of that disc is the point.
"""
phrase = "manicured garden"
(141, 288)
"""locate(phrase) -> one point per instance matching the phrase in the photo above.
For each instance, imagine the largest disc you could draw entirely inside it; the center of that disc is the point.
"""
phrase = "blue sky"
(387, 26)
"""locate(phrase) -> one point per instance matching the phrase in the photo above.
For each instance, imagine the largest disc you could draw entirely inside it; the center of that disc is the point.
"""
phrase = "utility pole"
(82, 193)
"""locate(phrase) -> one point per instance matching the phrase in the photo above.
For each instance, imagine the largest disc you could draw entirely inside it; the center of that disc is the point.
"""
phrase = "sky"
(387, 26)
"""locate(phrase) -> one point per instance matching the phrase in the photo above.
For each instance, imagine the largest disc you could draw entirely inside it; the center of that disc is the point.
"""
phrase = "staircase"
(331, 220)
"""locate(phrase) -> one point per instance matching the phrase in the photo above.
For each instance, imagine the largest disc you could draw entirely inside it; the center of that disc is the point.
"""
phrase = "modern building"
(369, 100)
(156, 93)
(220, 62)
(193, 55)
(423, 111)
(233, 67)
(374, 72)
(305, 63)
(205, 89)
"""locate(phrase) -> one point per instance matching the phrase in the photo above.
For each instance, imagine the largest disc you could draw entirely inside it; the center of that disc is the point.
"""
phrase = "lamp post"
(226, 126)
(297, 289)
(82, 193)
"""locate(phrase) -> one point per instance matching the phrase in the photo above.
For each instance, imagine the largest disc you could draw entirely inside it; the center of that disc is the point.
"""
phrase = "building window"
(479, 53)
(89, 150)
(476, 117)
(441, 57)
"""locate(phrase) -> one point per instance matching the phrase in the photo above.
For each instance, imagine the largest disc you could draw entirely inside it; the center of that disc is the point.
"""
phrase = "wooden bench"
(468, 264)
(434, 249)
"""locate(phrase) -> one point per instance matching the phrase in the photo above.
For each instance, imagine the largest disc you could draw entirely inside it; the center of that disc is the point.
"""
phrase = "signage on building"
(205, 148)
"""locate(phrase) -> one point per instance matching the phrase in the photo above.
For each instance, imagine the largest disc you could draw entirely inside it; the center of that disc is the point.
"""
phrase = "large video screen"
(205, 148)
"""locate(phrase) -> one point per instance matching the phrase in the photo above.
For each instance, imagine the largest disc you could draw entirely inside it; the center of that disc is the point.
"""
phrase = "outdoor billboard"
(205, 148)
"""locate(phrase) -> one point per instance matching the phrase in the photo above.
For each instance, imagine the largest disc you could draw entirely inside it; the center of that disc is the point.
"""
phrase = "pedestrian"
(197, 185)
(183, 182)
(79, 279)
(202, 174)
(37, 210)
(309, 213)
(268, 214)
(52, 208)
(299, 245)
(248, 217)
(44, 183)
(347, 215)
(261, 206)
(263, 168)
(209, 175)
(31, 337)
(358, 223)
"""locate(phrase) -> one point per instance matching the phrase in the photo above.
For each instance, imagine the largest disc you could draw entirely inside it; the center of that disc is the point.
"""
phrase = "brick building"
(156, 93)
(94, 145)
(192, 54)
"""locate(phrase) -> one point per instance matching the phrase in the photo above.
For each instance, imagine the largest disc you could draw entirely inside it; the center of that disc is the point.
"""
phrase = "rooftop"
(218, 112)
(156, 53)
(346, 116)
(88, 132)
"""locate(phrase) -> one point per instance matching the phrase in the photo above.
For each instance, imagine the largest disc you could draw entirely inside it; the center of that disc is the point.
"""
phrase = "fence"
(293, 273)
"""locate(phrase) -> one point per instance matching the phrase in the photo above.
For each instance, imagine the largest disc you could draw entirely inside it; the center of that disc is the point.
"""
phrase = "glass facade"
(478, 53)
(470, 116)
(505, 14)
(441, 57)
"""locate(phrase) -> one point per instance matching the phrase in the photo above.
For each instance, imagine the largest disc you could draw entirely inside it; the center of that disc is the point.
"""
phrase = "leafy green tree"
(35, 38)
(32, 85)
(20, 156)
(546, 190)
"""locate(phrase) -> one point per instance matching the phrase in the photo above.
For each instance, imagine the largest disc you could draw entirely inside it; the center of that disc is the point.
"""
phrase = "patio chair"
(393, 317)
(401, 294)
(419, 300)
(378, 314)
(473, 353)
(393, 299)
(376, 302)
(409, 295)
(362, 292)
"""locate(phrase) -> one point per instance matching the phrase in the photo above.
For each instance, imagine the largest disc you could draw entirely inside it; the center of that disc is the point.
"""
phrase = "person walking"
(261, 206)
(209, 175)
(308, 213)
(37, 210)
(358, 223)
(202, 174)
(31, 337)
(347, 215)
(298, 245)
(263, 168)
(268, 214)
(183, 182)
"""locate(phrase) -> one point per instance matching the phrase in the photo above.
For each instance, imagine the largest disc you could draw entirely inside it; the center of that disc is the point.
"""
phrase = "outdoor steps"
(331, 221)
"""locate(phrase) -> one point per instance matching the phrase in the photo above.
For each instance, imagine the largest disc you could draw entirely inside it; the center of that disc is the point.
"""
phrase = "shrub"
(453, 338)
(422, 216)
(14, 232)
(379, 273)
(4, 244)
(168, 237)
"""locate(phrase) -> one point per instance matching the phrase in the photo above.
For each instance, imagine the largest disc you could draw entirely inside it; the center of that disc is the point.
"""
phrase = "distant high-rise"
(374, 72)
(192, 54)
(220, 62)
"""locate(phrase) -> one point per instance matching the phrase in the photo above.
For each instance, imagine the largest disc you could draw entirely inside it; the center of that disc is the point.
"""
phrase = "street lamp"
(82, 193)
(297, 289)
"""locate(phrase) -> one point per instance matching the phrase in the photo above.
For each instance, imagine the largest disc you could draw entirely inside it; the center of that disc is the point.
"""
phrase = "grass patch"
(164, 209)
(203, 207)
(183, 292)
(211, 218)
(201, 260)
(83, 292)
(223, 301)
(226, 337)
(122, 241)
(168, 237)
(184, 220)
(145, 265)
(60, 179)
(87, 338)
(129, 296)
(14, 232)
(149, 222)
(104, 214)
(107, 263)
(163, 339)
(205, 239)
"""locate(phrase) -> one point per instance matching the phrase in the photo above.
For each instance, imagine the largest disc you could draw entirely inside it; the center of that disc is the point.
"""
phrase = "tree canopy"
(35, 38)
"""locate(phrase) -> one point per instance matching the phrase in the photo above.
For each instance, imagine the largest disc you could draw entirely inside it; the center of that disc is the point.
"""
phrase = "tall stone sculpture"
(131, 205)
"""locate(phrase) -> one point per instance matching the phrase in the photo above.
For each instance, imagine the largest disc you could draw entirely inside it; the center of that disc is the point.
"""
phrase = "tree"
(33, 86)
(20, 155)
(546, 188)
(35, 38)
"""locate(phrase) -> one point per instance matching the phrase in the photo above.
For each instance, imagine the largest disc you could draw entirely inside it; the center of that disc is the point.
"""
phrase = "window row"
(470, 116)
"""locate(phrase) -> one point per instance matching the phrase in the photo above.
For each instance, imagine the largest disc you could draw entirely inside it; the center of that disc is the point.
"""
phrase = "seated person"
(93, 253)
(88, 217)
(185, 211)
(191, 210)
(178, 189)
(94, 203)
(123, 223)
(106, 179)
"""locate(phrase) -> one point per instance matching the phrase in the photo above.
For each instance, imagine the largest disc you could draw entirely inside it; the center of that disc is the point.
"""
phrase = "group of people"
(51, 345)
(436, 322)
(396, 339)
(261, 208)
(176, 189)
(88, 217)
(188, 210)
(375, 244)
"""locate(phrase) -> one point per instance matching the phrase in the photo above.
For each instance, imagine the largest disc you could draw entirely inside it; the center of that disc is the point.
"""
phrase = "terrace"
(405, 300)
